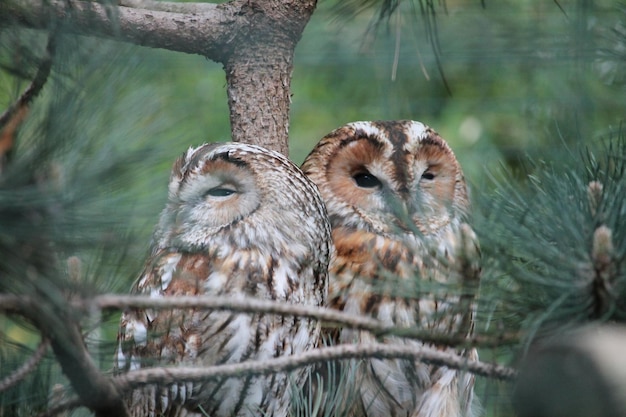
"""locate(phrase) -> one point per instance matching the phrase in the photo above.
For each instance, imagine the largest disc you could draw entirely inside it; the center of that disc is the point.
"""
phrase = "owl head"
(388, 177)
(234, 195)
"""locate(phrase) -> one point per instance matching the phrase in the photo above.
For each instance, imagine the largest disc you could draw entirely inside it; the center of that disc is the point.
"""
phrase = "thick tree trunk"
(258, 70)
(254, 40)
(259, 96)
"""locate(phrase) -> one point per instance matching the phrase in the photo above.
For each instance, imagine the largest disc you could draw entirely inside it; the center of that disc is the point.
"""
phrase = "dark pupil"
(366, 180)
(220, 192)
(428, 176)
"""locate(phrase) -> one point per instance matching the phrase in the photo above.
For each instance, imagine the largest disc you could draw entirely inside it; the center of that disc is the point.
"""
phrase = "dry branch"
(55, 409)
(166, 6)
(27, 367)
(14, 304)
(253, 39)
(170, 375)
(202, 34)
(287, 363)
(13, 116)
(328, 316)
(34, 87)
(96, 391)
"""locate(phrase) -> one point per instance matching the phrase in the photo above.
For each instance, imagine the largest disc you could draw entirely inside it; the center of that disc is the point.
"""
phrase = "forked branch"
(27, 367)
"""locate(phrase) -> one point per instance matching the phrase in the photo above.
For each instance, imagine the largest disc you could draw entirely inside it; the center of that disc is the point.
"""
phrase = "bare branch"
(13, 304)
(287, 363)
(96, 391)
(166, 6)
(28, 367)
(55, 409)
(329, 316)
(246, 305)
(203, 34)
(254, 40)
(31, 91)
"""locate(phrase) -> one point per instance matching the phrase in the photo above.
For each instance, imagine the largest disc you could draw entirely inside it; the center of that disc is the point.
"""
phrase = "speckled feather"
(270, 239)
(397, 235)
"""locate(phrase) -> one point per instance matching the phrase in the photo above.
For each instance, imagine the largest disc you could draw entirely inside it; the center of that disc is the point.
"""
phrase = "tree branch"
(329, 316)
(166, 6)
(13, 116)
(34, 87)
(70, 404)
(96, 391)
(204, 34)
(254, 40)
(14, 304)
(26, 368)
(171, 375)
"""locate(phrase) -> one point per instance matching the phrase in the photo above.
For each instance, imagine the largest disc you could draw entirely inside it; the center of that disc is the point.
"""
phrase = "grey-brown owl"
(397, 201)
(240, 221)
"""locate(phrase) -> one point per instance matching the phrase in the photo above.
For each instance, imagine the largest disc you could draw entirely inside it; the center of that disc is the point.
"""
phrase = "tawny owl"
(240, 221)
(397, 201)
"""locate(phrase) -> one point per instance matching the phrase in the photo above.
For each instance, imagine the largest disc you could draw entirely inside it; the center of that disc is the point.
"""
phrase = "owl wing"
(159, 338)
(204, 337)
(451, 392)
(149, 333)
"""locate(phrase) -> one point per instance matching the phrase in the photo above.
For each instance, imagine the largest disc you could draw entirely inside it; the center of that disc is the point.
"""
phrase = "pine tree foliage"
(554, 246)
(63, 197)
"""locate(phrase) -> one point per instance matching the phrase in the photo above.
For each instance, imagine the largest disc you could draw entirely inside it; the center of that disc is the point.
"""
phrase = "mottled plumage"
(240, 221)
(397, 201)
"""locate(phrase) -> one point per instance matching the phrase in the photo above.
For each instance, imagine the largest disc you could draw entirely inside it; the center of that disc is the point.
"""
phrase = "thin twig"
(246, 305)
(69, 404)
(34, 87)
(28, 366)
(12, 304)
(97, 392)
(171, 375)
(167, 6)
(328, 316)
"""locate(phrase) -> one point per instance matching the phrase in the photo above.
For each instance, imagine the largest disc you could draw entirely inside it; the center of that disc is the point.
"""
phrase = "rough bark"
(254, 40)
(96, 391)
(259, 86)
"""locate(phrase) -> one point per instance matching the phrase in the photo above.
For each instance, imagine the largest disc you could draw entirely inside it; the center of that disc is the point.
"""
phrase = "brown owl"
(397, 201)
(240, 221)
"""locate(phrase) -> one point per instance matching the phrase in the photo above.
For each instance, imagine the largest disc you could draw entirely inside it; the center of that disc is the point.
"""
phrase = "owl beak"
(402, 215)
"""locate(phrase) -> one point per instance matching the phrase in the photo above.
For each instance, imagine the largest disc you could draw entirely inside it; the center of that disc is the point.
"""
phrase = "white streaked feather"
(138, 332)
(167, 271)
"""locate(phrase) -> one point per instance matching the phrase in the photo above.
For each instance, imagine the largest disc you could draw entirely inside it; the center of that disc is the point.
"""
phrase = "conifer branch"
(602, 256)
(14, 304)
(69, 404)
(16, 112)
(186, 31)
(328, 316)
(171, 375)
(27, 367)
(167, 6)
(96, 391)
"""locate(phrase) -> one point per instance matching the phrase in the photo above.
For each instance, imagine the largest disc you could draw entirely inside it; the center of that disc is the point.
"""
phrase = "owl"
(243, 222)
(397, 202)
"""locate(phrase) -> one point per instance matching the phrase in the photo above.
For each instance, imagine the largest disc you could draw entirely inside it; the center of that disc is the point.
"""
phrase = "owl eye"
(428, 176)
(366, 180)
(220, 192)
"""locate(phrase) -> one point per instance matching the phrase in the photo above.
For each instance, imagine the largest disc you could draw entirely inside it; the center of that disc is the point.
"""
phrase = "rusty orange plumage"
(398, 204)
